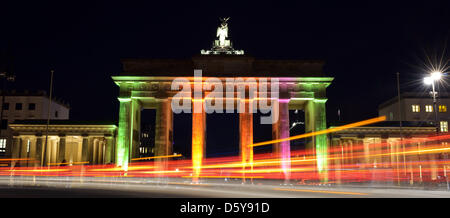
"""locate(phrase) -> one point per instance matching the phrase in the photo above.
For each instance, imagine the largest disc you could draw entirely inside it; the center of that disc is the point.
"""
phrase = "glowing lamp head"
(436, 75)
(428, 80)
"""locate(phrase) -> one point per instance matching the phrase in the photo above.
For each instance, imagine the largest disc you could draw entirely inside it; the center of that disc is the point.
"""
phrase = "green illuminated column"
(123, 133)
(135, 117)
(315, 117)
(163, 132)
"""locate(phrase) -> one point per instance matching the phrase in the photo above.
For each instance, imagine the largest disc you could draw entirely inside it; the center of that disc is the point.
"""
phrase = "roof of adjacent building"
(65, 122)
(222, 65)
(27, 93)
(405, 95)
(388, 124)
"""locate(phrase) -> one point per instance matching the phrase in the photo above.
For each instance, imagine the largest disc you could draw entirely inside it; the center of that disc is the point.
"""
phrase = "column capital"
(320, 100)
(124, 99)
(108, 136)
(284, 100)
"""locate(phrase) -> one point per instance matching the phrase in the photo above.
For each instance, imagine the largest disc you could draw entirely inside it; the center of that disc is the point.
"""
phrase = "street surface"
(74, 187)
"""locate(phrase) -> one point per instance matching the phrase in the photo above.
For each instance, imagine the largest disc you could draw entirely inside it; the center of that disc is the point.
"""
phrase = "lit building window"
(2, 145)
(442, 108)
(444, 126)
(428, 108)
(415, 108)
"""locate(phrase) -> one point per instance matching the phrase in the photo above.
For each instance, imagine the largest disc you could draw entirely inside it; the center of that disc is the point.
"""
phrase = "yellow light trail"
(130, 168)
(74, 163)
(320, 191)
(267, 162)
(37, 170)
(234, 177)
(415, 151)
(275, 170)
(162, 171)
(335, 129)
(12, 159)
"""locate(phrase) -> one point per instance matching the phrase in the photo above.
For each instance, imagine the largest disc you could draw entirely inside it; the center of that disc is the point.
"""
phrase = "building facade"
(27, 106)
(147, 84)
(69, 143)
(418, 107)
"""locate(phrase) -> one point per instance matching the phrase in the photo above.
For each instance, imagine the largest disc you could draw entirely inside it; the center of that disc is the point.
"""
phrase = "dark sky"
(364, 45)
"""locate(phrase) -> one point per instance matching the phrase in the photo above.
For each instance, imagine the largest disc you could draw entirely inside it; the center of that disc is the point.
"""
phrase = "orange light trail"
(335, 129)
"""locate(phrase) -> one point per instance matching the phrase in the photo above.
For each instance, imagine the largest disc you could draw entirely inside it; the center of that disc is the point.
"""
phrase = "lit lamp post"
(435, 76)
(295, 124)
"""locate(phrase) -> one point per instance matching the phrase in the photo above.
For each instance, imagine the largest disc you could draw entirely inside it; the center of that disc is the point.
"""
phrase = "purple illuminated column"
(280, 130)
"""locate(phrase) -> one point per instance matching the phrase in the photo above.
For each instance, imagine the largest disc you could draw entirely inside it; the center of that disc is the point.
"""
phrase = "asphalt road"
(177, 188)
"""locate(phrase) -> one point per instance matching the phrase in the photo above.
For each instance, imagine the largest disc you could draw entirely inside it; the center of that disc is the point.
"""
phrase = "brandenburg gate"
(149, 84)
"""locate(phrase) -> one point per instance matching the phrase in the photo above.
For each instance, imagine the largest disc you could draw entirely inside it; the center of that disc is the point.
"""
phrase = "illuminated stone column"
(24, 151)
(32, 153)
(123, 134)
(339, 157)
(280, 130)
(62, 149)
(163, 132)
(246, 135)
(91, 150)
(315, 120)
(198, 137)
(108, 149)
(367, 152)
(85, 148)
(95, 149)
(135, 118)
(100, 149)
(15, 150)
(39, 154)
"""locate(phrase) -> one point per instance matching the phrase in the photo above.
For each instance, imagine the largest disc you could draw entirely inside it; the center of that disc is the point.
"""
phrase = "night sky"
(364, 45)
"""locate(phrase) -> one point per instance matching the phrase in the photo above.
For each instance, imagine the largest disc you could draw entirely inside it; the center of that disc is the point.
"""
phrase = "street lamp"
(295, 124)
(436, 76)
(430, 80)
